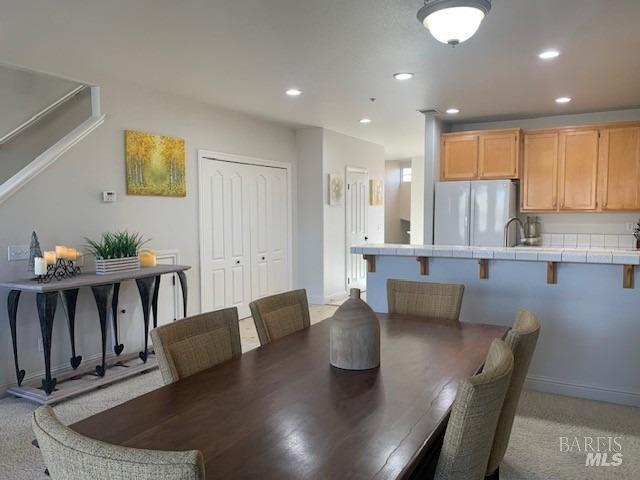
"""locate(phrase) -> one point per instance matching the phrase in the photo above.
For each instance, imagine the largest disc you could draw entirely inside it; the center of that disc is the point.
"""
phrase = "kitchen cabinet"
(540, 172)
(491, 154)
(578, 169)
(619, 169)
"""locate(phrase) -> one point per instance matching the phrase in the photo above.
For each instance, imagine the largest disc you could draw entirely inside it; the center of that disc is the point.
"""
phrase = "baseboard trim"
(590, 392)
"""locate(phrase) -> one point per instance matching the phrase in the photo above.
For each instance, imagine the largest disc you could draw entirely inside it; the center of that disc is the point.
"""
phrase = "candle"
(61, 251)
(50, 258)
(72, 254)
(40, 266)
(148, 258)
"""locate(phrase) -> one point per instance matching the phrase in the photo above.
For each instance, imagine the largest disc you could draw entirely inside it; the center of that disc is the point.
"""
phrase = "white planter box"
(114, 265)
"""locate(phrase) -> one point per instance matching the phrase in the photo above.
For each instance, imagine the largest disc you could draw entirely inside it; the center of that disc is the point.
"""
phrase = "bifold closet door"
(226, 237)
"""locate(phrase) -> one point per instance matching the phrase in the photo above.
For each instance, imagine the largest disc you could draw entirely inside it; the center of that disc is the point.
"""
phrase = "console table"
(105, 290)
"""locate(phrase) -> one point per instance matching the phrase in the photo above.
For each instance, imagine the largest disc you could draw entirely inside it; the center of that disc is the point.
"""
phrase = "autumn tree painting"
(155, 164)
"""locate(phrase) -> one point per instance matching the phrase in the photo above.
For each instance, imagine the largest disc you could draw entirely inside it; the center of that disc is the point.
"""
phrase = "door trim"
(203, 156)
(350, 169)
(173, 254)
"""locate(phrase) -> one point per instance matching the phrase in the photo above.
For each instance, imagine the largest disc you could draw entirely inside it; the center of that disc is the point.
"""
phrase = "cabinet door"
(459, 157)
(620, 168)
(578, 169)
(498, 157)
(540, 172)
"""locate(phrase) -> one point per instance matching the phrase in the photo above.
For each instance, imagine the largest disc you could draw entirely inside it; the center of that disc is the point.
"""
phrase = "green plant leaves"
(116, 245)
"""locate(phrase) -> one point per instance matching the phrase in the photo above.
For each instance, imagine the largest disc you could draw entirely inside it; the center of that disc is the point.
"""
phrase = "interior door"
(356, 212)
(226, 237)
(269, 227)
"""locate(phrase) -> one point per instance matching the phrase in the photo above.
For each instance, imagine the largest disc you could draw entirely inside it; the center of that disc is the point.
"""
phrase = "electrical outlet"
(18, 252)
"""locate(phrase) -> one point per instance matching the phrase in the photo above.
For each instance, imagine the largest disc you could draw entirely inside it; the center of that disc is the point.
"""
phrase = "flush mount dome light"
(453, 21)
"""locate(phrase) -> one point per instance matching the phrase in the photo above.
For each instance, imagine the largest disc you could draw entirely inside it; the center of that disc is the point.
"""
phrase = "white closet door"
(269, 231)
(357, 202)
(226, 237)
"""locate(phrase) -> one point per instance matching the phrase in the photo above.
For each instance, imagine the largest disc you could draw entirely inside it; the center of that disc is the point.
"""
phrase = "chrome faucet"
(506, 230)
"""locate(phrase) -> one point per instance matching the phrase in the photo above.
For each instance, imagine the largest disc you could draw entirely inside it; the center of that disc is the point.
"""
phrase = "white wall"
(339, 152)
(397, 202)
(613, 223)
(63, 206)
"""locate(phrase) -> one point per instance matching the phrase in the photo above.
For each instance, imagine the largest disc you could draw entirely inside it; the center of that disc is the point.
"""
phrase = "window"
(405, 172)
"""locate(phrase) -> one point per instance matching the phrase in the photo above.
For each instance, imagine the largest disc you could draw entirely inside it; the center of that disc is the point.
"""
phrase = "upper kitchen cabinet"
(619, 168)
(578, 169)
(490, 154)
(459, 159)
(540, 172)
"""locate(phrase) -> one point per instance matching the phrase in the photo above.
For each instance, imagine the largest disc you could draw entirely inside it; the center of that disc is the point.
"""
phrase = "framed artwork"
(375, 192)
(155, 164)
(336, 189)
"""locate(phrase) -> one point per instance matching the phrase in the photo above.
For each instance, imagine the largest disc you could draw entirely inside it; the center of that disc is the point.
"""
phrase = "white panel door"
(226, 237)
(357, 201)
(269, 231)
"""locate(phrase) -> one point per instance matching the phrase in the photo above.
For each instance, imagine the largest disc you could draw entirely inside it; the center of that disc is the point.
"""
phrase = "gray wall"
(397, 202)
(63, 205)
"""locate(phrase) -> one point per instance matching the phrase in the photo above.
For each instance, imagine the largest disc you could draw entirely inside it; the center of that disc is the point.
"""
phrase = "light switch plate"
(109, 196)
(18, 252)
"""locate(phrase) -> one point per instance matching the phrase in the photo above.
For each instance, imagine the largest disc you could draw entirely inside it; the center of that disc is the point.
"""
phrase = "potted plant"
(116, 252)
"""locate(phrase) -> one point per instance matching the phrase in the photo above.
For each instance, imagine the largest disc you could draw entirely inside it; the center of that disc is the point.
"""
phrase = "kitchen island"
(585, 299)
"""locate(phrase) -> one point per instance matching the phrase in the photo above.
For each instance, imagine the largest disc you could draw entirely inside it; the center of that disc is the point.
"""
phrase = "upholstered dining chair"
(425, 299)
(188, 346)
(522, 339)
(71, 456)
(474, 416)
(280, 315)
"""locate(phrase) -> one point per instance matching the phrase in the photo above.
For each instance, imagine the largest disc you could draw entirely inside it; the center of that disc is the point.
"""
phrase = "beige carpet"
(534, 451)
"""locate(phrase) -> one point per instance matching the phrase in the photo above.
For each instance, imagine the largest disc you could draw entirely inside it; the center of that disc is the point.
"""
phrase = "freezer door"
(451, 219)
(492, 203)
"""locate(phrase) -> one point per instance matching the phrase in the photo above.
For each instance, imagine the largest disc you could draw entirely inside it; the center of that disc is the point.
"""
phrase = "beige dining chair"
(188, 346)
(425, 299)
(71, 456)
(280, 315)
(474, 416)
(522, 339)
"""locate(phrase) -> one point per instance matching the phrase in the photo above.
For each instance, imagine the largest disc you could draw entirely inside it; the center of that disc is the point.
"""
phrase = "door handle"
(263, 258)
(237, 262)
(366, 238)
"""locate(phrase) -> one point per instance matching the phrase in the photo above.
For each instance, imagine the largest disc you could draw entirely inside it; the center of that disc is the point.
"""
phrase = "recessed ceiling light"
(294, 92)
(365, 120)
(403, 76)
(563, 99)
(452, 111)
(549, 54)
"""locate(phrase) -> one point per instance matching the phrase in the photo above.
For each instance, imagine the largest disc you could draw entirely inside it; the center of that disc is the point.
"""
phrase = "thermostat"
(109, 196)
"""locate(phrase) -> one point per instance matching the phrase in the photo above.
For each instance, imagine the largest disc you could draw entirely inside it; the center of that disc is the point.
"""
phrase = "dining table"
(281, 411)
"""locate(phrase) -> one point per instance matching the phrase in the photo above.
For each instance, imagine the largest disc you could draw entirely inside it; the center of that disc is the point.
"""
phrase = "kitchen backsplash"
(585, 240)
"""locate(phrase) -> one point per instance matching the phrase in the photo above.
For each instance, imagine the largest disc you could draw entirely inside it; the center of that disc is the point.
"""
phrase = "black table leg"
(117, 347)
(183, 286)
(12, 306)
(69, 299)
(154, 302)
(145, 287)
(47, 303)
(103, 295)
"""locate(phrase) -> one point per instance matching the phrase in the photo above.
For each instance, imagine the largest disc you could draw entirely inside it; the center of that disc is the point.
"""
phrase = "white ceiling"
(243, 54)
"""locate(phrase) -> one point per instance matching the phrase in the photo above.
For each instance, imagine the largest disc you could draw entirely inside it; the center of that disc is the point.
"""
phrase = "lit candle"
(61, 251)
(50, 258)
(40, 266)
(72, 254)
(148, 258)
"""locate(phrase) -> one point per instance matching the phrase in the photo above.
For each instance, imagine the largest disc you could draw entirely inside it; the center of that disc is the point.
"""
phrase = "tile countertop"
(524, 254)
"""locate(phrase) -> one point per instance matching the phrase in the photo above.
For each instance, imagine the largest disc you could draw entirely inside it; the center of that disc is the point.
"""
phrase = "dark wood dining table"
(282, 412)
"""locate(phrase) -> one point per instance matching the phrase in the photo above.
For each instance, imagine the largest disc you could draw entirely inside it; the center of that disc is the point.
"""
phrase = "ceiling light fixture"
(403, 76)
(365, 120)
(453, 111)
(563, 99)
(453, 21)
(294, 92)
(549, 54)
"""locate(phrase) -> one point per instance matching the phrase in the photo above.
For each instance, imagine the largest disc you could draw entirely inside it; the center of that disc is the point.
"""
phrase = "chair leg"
(494, 476)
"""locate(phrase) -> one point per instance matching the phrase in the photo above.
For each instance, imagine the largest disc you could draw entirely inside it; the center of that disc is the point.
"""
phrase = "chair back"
(71, 456)
(425, 299)
(522, 339)
(188, 346)
(474, 416)
(280, 315)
